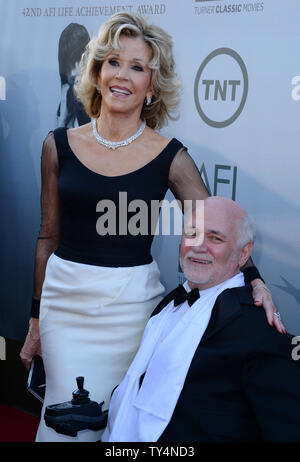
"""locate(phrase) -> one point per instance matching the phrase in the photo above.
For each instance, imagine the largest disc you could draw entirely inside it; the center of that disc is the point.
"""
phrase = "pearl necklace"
(116, 144)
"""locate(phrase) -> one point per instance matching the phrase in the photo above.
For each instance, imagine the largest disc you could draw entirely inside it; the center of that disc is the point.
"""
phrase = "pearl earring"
(148, 100)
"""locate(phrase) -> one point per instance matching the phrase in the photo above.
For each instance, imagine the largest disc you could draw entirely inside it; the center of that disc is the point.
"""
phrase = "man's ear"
(245, 253)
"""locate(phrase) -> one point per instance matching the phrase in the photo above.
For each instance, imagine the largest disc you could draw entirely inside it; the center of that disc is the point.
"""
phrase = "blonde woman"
(96, 291)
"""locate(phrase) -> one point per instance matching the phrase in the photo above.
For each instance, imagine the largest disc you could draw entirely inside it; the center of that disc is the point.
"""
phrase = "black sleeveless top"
(86, 196)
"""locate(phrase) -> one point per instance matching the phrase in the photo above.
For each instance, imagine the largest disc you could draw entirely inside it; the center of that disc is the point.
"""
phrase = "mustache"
(191, 254)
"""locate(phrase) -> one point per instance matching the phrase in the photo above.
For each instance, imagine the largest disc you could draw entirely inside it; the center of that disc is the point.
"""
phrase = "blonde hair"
(165, 84)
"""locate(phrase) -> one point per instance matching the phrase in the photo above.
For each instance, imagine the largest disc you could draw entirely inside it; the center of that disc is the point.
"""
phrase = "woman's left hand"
(263, 297)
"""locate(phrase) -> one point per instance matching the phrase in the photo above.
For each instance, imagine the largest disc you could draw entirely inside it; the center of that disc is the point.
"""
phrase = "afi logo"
(221, 87)
(2, 88)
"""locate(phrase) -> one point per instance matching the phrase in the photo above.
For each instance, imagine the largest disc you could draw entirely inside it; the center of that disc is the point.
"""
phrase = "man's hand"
(263, 297)
(32, 345)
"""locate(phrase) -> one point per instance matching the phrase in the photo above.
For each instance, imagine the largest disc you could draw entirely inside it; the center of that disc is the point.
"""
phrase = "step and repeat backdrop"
(238, 61)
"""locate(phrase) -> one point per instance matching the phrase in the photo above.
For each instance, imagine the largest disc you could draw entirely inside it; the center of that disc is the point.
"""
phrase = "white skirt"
(91, 322)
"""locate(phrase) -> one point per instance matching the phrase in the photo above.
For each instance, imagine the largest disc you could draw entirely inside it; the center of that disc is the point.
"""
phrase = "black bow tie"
(181, 295)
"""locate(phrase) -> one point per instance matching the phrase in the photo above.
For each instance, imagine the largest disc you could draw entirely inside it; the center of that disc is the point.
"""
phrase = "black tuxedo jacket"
(243, 384)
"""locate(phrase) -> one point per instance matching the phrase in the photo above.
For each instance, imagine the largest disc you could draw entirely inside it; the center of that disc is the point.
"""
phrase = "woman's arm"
(47, 241)
(185, 180)
(187, 185)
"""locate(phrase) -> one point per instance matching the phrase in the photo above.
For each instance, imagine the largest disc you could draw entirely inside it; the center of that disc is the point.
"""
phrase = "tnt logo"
(221, 87)
(2, 349)
(2, 88)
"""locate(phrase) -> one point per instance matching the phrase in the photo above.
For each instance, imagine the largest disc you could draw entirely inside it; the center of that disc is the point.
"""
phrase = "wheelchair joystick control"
(80, 396)
(78, 414)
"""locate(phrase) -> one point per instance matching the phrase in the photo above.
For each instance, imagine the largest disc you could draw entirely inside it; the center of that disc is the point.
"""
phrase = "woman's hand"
(32, 345)
(263, 297)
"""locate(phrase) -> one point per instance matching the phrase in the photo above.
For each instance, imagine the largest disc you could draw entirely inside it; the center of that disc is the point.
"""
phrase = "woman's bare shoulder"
(80, 132)
(156, 140)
